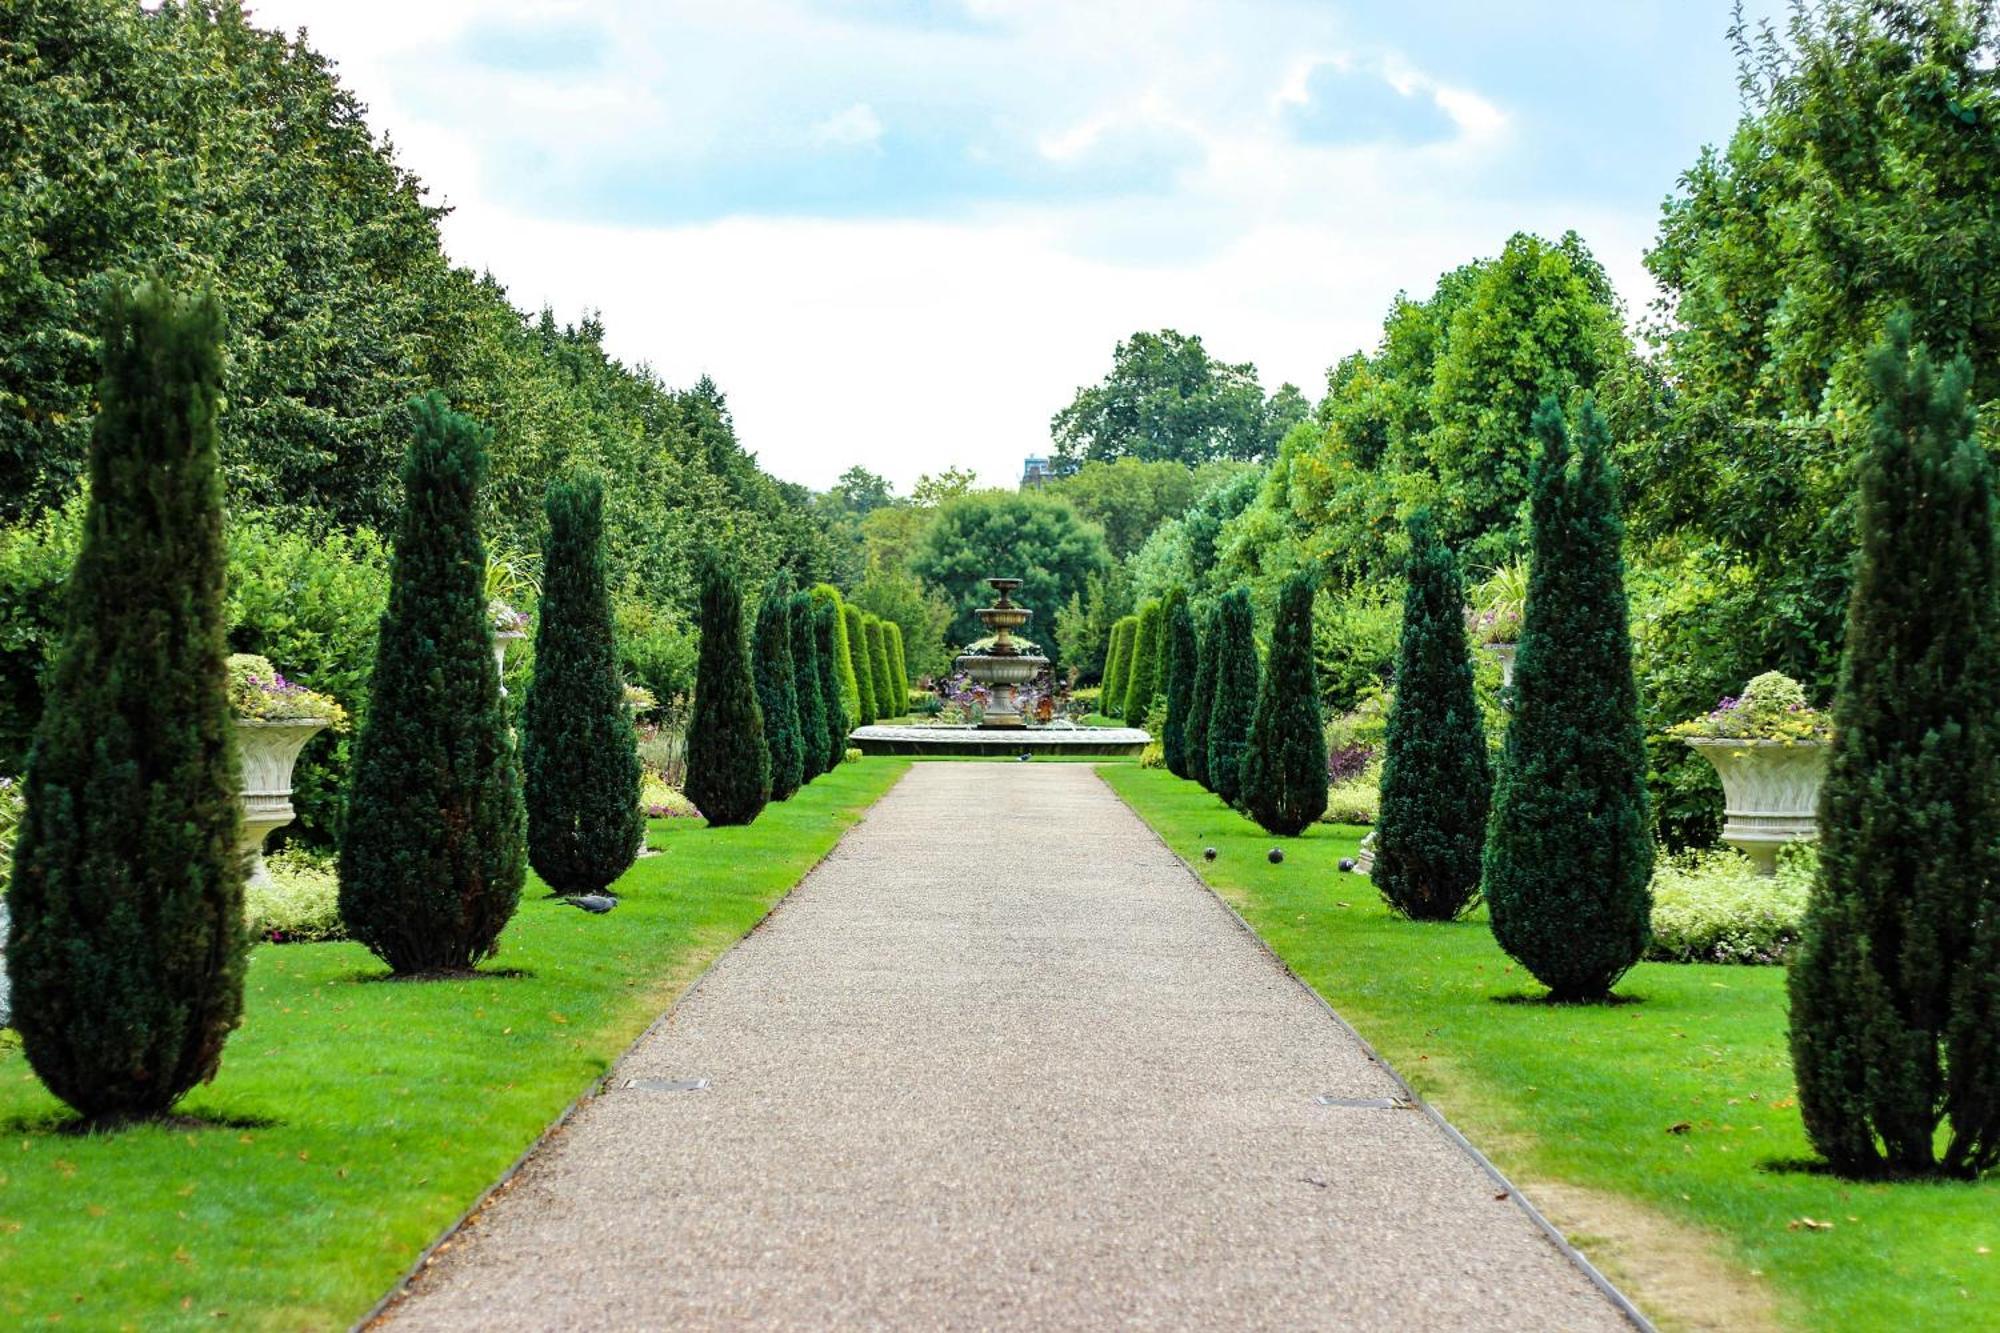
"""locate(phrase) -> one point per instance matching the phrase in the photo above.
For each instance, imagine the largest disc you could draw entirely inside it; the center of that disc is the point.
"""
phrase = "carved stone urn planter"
(268, 751)
(1505, 652)
(1770, 792)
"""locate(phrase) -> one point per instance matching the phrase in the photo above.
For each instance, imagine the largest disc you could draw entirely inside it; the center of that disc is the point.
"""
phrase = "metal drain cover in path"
(1366, 1103)
(667, 1084)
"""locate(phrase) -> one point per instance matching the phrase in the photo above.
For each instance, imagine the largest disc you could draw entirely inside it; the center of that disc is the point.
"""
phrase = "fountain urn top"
(1004, 617)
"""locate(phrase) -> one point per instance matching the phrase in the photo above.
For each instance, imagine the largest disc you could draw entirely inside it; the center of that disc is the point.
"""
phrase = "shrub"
(1713, 907)
(1356, 799)
(300, 904)
(579, 754)
(729, 765)
(1143, 676)
(1183, 663)
(808, 688)
(1118, 667)
(126, 944)
(1895, 991)
(1201, 699)
(851, 755)
(433, 859)
(899, 671)
(656, 648)
(843, 660)
(1436, 782)
(1235, 698)
(1284, 766)
(890, 699)
(10, 828)
(772, 669)
(828, 622)
(863, 662)
(1568, 854)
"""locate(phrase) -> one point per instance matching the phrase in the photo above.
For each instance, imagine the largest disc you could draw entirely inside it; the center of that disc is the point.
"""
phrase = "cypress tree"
(878, 671)
(827, 623)
(729, 763)
(863, 661)
(1569, 856)
(126, 944)
(1201, 698)
(1183, 663)
(1235, 695)
(1895, 987)
(1284, 768)
(898, 665)
(1436, 781)
(808, 687)
(1117, 667)
(842, 661)
(1144, 679)
(579, 755)
(772, 668)
(433, 856)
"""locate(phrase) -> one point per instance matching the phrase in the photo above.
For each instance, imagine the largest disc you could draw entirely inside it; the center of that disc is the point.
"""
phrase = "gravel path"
(1001, 1061)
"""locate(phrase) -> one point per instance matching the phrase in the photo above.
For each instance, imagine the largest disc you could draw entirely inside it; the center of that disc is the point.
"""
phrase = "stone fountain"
(1003, 668)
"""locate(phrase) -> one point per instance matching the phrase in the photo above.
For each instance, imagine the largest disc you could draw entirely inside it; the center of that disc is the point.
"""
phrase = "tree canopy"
(1167, 399)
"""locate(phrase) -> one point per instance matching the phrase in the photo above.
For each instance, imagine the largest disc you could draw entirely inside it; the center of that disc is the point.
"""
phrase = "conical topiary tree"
(729, 763)
(1143, 680)
(1437, 783)
(886, 706)
(1895, 987)
(1284, 768)
(843, 661)
(1569, 856)
(808, 687)
(1117, 667)
(1201, 698)
(1183, 663)
(772, 669)
(579, 754)
(126, 944)
(892, 639)
(432, 858)
(1235, 695)
(863, 660)
(827, 624)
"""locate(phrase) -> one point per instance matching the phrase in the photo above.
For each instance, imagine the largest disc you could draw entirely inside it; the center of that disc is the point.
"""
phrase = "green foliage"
(1003, 534)
(1355, 642)
(775, 673)
(579, 756)
(126, 945)
(828, 625)
(890, 700)
(921, 616)
(1713, 906)
(1118, 666)
(299, 905)
(810, 690)
(1143, 679)
(892, 639)
(1201, 697)
(1355, 800)
(1235, 696)
(432, 858)
(1437, 784)
(1129, 498)
(1183, 665)
(1284, 767)
(729, 763)
(826, 594)
(1896, 989)
(863, 662)
(657, 647)
(1569, 855)
(1166, 399)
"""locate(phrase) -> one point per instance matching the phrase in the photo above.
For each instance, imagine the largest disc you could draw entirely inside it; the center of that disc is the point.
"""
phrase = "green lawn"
(1661, 1133)
(391, 1105)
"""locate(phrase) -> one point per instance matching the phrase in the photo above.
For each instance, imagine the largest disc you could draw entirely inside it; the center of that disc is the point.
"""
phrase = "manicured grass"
(1678, 1107)
(391, 1106)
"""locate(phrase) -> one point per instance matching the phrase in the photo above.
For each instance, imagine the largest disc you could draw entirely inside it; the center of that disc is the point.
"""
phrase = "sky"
(902, 233)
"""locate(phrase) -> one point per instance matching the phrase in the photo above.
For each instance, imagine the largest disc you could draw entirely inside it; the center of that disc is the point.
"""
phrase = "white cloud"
(856, 127)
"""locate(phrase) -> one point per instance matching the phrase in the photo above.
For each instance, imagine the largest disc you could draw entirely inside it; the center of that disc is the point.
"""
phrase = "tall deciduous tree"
(729, 763)
(1235, 695)
(809, 688)
(1167, 399)
(1201, 699)
(432, 861)
(1284, 766)
(1895, 989)
(579, 755)
(772, 668)
(126, 943)
(1437, 783)
(1001, 534)
(1569, 856)
(1183, 665)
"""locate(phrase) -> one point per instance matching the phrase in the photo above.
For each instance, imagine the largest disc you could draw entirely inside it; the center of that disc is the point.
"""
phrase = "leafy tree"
(886, 703)
(1895, 990)
(1235, 695)
(842, 662)
(863, 660)
(809, 687)
(1166, 399)
(729, 762)
(827, 625)
(1129, 498)
(1284, 766)
(987, 534)
(1437, 783)
(1569, 855)
(860, 492)
(1117, 669)
(1201, 698)
(1143, 680)
(126, 948)
(1183, 662)
(579, 757)
(774, 672)
(433, 856)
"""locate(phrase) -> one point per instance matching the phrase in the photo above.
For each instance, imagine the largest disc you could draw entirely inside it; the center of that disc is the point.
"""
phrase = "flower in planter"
(504, 618)
(1772, 707)
(258, 693)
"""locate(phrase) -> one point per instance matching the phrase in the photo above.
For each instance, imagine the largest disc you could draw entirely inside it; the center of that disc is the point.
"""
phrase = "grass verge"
(353, 1118)
(1661, 1134)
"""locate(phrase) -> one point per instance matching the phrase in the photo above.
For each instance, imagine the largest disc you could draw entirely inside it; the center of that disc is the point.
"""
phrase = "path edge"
(596, 1087)
(1550, 1231)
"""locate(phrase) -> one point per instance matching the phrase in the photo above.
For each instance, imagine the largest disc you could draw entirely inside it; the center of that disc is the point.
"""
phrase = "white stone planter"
(267, 752)
(1505, 652)
(1770, 792)
(502, 640)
